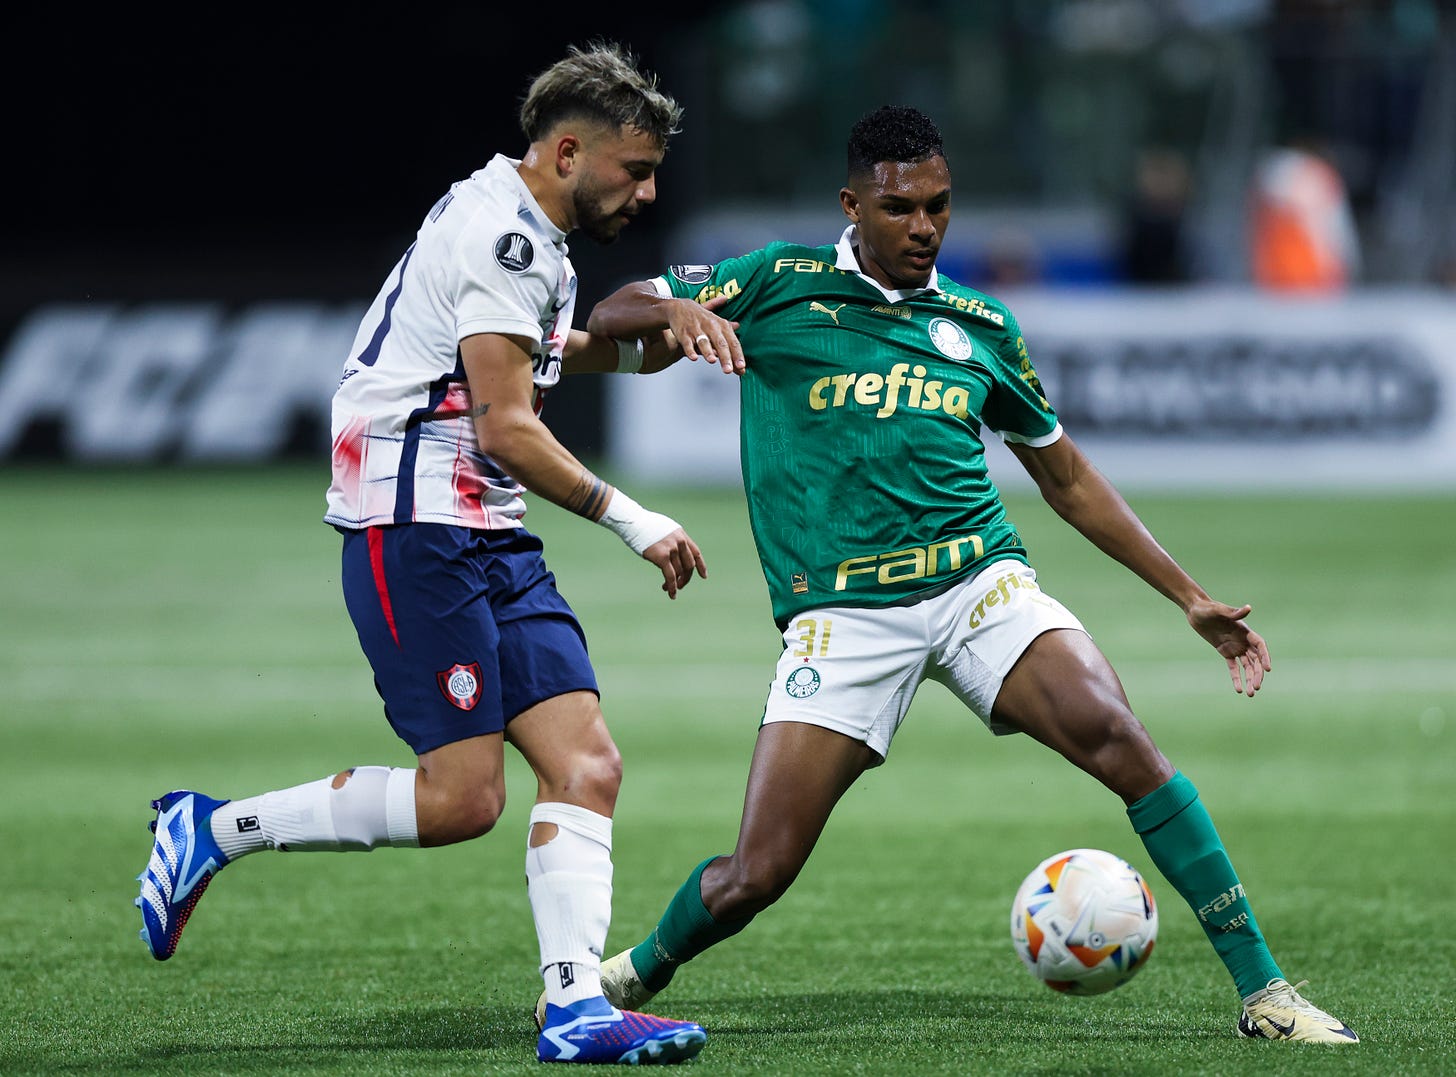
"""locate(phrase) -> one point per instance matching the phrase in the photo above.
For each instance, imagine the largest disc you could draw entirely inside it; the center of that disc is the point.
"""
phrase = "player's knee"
(472, 814)
(592, 776)
(1125, 759)
(1122, 733)
(604, 770)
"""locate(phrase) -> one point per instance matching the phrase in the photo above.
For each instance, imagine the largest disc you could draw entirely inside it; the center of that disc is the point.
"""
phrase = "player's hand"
(678, 557)
(704, 335)
(1242, 648)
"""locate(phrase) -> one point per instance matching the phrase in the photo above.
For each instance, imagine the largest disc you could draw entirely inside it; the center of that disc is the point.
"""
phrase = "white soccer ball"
(1084, 922)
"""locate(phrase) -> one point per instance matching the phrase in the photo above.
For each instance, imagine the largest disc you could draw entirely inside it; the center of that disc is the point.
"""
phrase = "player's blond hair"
(603, 84)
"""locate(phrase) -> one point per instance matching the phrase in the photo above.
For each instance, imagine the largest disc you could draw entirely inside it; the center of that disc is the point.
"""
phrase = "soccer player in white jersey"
(436, 436)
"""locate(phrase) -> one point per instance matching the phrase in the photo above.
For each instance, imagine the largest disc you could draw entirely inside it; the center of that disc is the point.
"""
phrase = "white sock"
(374, 807)
(569, 880)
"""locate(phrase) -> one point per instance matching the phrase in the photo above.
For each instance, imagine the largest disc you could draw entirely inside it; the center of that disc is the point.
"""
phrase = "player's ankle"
(654, 972)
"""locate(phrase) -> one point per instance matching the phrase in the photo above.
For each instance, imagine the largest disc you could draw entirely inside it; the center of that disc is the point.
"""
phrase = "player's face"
(902, 211)
(618, 176)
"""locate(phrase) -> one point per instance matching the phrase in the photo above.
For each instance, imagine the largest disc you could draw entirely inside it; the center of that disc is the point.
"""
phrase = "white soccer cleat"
(1279, 1012)
(619, 984)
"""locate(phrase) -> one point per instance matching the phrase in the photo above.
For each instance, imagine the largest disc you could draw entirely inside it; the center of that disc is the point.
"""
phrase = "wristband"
(629, 356)
(639, 528)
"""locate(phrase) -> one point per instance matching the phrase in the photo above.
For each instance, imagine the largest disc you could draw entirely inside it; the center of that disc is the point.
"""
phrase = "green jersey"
(860, 423)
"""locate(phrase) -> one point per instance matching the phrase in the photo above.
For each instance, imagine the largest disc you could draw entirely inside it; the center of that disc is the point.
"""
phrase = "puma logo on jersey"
(822, 309)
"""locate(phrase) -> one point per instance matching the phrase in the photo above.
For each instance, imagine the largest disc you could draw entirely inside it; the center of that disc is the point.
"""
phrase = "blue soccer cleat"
(621, 986)
(184, 860)
(593, 1030)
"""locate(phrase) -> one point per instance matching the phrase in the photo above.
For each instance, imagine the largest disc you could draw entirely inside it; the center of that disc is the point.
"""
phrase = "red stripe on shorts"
(376, 562)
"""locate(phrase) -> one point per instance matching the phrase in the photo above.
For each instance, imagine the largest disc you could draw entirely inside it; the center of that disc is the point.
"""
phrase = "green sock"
(686, 929)
(1180, 837)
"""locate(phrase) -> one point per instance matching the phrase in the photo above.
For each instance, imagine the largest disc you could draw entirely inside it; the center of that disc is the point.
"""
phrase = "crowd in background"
(1304, 145)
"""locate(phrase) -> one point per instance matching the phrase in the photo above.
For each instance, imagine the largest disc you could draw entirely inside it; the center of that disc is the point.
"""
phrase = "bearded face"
(617, 177)
(602, 211)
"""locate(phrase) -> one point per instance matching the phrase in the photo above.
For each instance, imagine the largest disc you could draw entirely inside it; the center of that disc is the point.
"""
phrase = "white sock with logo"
(375, 806)
(569, 880)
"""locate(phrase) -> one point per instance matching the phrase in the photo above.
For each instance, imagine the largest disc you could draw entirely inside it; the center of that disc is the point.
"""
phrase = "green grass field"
(185, 629)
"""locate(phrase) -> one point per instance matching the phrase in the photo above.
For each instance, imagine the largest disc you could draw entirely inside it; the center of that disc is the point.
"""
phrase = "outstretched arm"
(1081, 495)
(589, 353)
(498, 371)
(636, 310)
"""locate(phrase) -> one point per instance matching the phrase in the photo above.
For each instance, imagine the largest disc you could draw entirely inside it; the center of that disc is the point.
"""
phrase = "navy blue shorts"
(464, 629)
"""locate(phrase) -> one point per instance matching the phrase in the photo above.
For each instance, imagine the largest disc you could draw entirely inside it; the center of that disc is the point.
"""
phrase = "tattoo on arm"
(589, 497)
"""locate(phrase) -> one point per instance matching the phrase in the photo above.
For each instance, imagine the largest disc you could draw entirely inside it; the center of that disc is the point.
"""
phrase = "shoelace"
(1290, 996)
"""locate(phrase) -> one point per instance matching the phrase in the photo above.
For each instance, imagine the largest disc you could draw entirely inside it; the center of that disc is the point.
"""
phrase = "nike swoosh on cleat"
(1283, 1030)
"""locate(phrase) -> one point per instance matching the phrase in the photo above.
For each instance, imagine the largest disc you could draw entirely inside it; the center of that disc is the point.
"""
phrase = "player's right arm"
(498, 371)
(637, 310)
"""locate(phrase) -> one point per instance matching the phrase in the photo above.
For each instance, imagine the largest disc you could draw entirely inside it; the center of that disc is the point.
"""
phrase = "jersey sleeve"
(1017, 408)
(732, 277)
(503, 281)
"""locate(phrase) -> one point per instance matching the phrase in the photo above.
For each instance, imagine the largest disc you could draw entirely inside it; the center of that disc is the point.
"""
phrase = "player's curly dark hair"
(601, 83)
(892, 133)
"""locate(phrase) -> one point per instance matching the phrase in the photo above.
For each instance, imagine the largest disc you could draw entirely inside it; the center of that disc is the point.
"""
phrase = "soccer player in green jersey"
(868, 379)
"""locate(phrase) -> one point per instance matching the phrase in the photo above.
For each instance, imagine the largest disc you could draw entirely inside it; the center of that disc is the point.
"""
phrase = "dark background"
(271, 152)
(288, 152)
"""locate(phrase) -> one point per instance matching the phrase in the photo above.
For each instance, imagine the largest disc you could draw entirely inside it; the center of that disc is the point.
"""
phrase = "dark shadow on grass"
(876, 1015)
(489, 1035)
(846, 1024)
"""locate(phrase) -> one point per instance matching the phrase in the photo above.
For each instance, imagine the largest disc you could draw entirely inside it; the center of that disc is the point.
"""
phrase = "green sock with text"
(1180, 837)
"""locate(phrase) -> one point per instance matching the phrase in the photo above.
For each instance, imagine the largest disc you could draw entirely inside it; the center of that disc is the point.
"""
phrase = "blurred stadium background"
(1224, 224)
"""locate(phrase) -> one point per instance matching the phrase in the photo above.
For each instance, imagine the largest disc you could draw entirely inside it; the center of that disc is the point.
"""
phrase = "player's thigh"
(1061, 689)
(1065, 694)
(565, 741)
(851, 671)
(420, 602)
(983, 626)
(1023, 663)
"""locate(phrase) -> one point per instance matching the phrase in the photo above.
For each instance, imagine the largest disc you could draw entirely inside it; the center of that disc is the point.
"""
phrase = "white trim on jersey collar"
(505, 168)
(849, 262)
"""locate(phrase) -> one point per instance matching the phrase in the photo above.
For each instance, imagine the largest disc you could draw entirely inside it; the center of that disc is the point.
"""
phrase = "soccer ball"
(1084, 922)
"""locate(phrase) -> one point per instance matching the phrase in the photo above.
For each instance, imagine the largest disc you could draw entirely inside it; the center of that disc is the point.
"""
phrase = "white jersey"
(486, 259)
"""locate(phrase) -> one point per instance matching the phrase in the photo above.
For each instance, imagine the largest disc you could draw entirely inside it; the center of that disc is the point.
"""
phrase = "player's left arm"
(1082, 495)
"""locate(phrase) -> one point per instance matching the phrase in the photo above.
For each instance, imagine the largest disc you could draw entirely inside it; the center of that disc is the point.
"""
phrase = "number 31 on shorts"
(810, 631)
